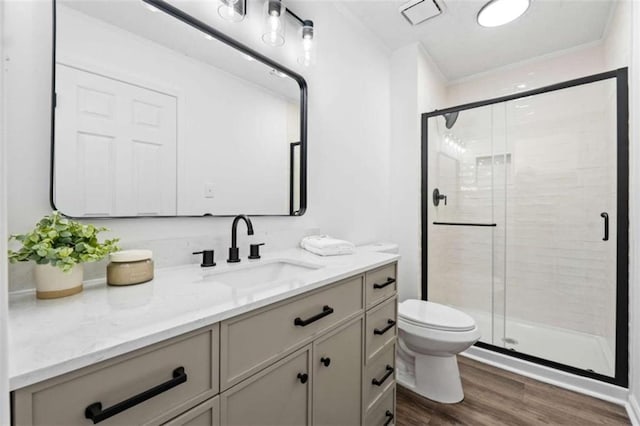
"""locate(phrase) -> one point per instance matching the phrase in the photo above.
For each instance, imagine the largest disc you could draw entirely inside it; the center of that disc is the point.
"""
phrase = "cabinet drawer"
(64, 400)
(379, 376)
(381, 327)
(383, 413)
(277, 396)
(205, 414)
(380, 284)
(255, 340)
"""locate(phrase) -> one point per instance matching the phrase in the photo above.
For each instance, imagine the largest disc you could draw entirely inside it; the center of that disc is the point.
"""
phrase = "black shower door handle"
(605, 216)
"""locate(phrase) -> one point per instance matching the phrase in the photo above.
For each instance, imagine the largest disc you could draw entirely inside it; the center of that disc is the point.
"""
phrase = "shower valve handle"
(437, 196)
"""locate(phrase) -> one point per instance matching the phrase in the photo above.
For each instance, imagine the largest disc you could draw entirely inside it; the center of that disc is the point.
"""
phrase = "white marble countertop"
(52, 337)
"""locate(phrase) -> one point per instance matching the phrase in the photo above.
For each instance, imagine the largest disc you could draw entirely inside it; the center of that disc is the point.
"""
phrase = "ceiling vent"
(417, 11)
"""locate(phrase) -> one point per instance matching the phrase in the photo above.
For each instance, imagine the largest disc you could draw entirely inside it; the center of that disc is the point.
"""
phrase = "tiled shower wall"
(545, 261)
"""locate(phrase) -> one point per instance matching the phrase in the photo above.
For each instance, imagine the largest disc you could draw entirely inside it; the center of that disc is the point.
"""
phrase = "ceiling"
(461, 48)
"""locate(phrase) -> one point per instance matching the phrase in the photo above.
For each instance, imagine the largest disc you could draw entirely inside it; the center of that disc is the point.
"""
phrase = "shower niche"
(528, 232)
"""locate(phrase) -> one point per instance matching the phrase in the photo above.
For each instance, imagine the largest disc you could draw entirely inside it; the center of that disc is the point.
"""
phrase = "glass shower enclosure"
(525, 222)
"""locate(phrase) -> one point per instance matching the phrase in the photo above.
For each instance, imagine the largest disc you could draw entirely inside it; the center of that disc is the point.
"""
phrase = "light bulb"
(232, 10)
(274, 22)
(307, 56)
(273, 33)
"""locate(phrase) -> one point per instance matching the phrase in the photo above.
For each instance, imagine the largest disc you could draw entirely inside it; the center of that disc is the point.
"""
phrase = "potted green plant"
(59, 246)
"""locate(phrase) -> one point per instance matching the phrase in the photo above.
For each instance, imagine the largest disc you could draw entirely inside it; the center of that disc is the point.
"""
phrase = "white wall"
(4, 380)
(416, 86)
(349, 131)
(537, 72)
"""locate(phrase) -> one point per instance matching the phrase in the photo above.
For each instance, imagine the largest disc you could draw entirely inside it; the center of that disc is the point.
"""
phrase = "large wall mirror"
(158, 114)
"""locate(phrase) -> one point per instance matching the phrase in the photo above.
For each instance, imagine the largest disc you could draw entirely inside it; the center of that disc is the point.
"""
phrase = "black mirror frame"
(201, 26)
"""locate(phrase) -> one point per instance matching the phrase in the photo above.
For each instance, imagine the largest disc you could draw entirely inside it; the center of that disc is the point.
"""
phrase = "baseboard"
(633, 409)
(595, 388)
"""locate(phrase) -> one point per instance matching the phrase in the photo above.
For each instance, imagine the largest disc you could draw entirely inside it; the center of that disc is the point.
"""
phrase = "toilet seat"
(421, 313)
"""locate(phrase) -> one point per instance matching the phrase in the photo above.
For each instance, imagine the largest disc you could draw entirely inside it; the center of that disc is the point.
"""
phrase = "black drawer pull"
(326, 310)
(388, 414)
(303, 377)
(384, 378)
(379, 331)
(384, 284)
(95, 413)
(325, 361)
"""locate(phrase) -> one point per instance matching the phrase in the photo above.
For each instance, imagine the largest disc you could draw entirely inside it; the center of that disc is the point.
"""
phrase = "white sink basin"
(252, 274)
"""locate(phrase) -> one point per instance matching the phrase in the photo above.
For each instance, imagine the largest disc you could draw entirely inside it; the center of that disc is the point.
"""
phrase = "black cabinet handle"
(384, 378)
(325, 361)
(303, 377)
(95, 413)
(389, 416)
(605, 216)
(326, 310)
(389, 326)
(384, 284)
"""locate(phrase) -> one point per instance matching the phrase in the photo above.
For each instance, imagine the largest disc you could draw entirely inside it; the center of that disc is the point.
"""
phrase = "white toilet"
(430, 336)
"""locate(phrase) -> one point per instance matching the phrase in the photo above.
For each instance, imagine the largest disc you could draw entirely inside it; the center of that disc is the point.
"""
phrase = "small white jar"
(130, 267)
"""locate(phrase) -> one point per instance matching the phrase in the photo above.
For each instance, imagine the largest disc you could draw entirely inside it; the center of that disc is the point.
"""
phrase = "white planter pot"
(52, 282)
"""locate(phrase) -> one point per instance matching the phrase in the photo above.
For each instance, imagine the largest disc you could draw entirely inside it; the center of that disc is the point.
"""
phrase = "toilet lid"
(436, 316)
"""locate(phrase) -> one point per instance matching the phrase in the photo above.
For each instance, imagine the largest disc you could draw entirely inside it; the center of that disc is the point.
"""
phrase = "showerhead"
(450, 119)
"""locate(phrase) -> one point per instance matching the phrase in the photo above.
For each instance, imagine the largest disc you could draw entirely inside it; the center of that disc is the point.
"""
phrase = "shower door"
(467, 171)
(527, 231)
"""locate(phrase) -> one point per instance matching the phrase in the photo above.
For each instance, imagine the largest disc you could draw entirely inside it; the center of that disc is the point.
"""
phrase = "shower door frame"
(621, 377)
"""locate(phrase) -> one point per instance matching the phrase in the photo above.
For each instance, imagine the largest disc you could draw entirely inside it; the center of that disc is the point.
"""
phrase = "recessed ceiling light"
(500, 12)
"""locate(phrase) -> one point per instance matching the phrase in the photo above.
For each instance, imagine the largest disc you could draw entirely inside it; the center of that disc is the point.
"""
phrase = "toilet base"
(434, 377)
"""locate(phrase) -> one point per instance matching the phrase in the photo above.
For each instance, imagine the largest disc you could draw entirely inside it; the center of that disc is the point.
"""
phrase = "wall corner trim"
(633, 409)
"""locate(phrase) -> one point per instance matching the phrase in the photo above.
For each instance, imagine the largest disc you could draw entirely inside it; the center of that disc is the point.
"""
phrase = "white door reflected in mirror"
(154, 119)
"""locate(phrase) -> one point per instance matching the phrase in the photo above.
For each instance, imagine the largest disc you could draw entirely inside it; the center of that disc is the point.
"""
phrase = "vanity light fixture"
(274, 30)
(500, 12)
(232, 10)
(307, 56)
(273, 33)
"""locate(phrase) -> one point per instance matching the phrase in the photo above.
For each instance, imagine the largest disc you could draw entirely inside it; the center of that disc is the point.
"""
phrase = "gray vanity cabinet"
(278, 395)
(205, 414)
(324, 357)
(337, 375)
(65, 400)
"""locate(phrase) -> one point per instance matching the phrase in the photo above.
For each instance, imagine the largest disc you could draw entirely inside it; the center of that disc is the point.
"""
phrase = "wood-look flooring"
(496, 397)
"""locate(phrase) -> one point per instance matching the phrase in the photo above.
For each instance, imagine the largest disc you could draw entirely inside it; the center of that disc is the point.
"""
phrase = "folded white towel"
(324, 245)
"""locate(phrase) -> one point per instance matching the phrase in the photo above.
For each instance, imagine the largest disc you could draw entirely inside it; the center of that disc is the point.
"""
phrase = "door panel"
(116, 147)
(337, 380)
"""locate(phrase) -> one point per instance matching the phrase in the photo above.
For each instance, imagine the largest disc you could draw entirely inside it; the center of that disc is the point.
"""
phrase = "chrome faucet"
(233, 250)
